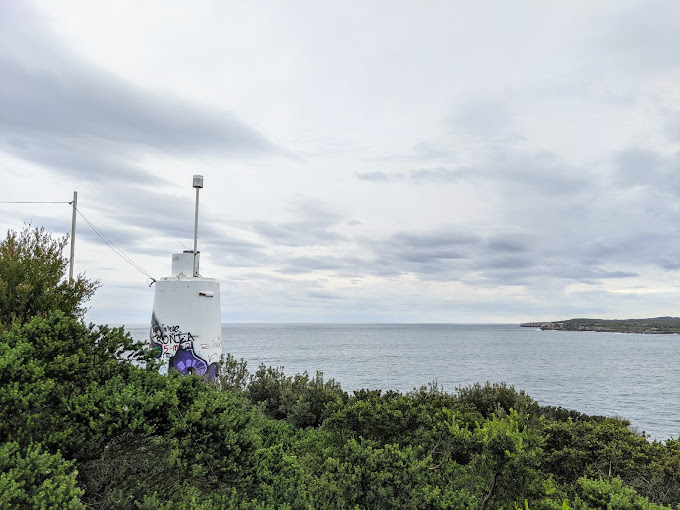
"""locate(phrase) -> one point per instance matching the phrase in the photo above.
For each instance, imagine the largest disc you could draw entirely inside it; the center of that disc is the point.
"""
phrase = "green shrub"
(33, 278)
(610, 495)
(33, 478)
(232, 374)
(493, 398)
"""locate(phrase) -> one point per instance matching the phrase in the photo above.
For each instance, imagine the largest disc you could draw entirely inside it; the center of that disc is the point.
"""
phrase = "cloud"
(322, 295)
(420, 175)
(72, 116)
(81, 101)
(494, 165)
(483, 117)
(440, 174)
(671, 124)
(555, 227)
(519, 170)
(635, 166)
(589, 274)
(442, 238)
(506, 262)
(307, 264)
(379, 176)
(84, 160)
(312, 224)
(507, 244)
(640, 36)
(530, 253)
(431, 150)
(539, 171)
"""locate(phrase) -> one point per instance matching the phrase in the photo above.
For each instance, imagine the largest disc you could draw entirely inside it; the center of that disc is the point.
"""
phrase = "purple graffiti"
(186, 362)
(178, 348)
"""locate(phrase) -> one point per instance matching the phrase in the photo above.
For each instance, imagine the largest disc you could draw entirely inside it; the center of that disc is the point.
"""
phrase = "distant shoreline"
(655, 326)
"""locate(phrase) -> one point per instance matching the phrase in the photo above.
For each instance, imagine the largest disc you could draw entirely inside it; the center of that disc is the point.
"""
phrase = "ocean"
(633, 376)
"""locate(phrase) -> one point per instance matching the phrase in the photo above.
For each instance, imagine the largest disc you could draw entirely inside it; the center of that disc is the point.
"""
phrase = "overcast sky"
(364, 161)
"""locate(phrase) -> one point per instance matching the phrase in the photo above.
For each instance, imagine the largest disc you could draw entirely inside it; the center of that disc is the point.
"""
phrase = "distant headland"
(658, 325)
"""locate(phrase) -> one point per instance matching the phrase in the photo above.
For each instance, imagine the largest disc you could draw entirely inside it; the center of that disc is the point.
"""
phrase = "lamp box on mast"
(186, 326)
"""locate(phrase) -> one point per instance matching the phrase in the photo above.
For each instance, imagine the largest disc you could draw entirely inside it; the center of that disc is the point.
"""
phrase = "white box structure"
(186, 327)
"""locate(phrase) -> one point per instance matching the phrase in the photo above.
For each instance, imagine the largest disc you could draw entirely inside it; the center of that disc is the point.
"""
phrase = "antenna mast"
(198, 184)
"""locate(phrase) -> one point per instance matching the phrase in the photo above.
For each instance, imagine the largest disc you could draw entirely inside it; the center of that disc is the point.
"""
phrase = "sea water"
(633, 376)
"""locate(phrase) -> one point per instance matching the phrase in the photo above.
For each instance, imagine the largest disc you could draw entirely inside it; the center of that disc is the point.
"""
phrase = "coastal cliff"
(658, 325)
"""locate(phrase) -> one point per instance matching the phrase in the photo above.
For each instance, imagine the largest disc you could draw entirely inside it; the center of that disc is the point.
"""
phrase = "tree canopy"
(33, 277)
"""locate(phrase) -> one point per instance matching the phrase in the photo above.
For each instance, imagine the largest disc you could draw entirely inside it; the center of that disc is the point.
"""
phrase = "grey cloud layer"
(467, 119)
(564, 222)
(536, 171)
(68, 115)
(76, 120)
(445, 254)
(79, 101)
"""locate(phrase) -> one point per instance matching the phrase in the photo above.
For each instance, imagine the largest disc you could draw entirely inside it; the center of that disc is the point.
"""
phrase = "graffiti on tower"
(180, 351)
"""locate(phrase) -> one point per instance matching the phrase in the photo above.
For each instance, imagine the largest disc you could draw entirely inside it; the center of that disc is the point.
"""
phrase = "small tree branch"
(488, 497)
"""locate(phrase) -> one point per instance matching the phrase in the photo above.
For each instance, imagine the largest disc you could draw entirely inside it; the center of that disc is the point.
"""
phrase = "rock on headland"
(658, 325)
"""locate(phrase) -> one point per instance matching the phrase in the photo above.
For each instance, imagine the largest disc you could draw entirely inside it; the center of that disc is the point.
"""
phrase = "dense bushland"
(32, 282)
(89, 423)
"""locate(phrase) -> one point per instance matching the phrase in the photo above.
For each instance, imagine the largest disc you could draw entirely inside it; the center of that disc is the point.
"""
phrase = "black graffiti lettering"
(164, 335)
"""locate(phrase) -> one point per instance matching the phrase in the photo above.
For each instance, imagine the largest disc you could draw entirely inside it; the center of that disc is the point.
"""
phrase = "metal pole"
(196, 233)
(73, 235)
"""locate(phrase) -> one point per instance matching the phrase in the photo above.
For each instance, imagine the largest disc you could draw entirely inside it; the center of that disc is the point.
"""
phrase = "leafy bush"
(307, 402)
(266, 388)
(33, 478)
(232, 374)
(607, 448)
(33, 278)
(75, 396)
(301, 400)
(388, 417)
(610, 495)
(491, 398)
(46, 362)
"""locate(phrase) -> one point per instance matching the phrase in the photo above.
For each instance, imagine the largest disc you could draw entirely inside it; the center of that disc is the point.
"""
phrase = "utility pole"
(198, 184)
(73, 235)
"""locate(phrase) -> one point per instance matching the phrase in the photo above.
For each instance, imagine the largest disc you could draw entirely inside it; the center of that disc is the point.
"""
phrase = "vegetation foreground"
(87, 422)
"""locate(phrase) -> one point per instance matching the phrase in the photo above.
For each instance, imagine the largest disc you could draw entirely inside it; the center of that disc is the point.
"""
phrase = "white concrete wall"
(186, 328)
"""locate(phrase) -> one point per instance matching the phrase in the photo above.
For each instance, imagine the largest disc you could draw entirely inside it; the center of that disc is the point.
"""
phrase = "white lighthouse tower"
(186, 328)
